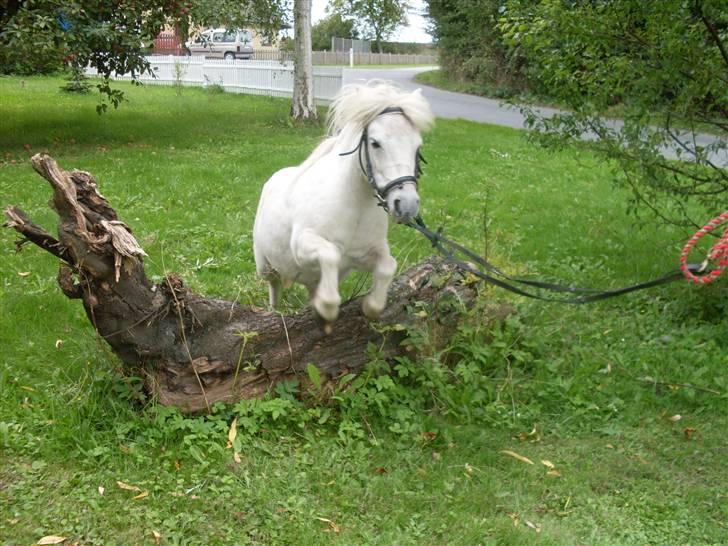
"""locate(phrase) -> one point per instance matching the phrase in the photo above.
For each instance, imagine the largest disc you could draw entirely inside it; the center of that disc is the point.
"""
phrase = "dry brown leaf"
(177, 494)
(517, 456)
(59, 343)
(51, 539)
(514, 518)
(102, 489)
(236, 457)
(688, 432)
(548, 464)
(157, 538)
(23, 273)
(554, 473)
(332, 525)
(609, 446)
(533, 526)
(141, 495)
(127, 487)
(429, 436)
(232, 433)
(675, 418)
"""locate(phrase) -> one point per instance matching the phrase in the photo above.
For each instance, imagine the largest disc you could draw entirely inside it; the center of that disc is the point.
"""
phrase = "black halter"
(381, 195)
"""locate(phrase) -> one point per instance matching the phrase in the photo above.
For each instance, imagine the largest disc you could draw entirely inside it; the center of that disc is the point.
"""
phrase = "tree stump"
(194, 351)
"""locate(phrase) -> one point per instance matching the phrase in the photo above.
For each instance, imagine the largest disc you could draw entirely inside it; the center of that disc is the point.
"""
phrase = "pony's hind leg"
(384, 269)
(274, 291)
(313, 251)
(274, 280)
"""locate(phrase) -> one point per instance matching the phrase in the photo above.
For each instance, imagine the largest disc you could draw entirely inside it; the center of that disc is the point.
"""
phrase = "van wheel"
(229, 56)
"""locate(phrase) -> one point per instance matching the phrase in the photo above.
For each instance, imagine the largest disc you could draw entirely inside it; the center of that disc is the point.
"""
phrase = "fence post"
(351, 57)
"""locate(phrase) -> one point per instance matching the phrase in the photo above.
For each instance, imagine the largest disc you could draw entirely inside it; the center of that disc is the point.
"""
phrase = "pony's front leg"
(312, 250)
(384, 269)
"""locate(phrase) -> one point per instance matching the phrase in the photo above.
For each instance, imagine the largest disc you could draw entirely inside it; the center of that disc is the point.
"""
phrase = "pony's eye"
(376, 144)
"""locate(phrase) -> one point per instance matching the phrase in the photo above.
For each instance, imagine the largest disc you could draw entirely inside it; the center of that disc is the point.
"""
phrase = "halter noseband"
(381, 195)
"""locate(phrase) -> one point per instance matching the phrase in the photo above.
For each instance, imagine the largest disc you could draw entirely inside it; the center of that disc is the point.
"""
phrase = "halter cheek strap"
(381, 195)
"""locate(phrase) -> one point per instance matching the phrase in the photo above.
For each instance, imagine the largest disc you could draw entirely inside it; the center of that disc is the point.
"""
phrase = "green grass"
(437, 78)
(415, 460)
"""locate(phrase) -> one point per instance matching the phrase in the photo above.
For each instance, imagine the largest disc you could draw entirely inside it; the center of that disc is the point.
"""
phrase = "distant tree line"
(338, 26)
(473, 49)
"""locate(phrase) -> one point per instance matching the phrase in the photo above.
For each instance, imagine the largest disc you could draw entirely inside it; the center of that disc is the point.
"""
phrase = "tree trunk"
(303, 106)
(195, 351)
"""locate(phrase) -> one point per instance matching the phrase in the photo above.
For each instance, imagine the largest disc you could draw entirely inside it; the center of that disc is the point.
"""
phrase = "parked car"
(222, 43)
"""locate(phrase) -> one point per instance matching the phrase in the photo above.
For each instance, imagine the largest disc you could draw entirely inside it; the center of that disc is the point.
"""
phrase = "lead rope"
(719, 252)
(449, 249)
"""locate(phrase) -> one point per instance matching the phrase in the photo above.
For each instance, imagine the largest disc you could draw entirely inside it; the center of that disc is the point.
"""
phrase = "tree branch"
(35, 234)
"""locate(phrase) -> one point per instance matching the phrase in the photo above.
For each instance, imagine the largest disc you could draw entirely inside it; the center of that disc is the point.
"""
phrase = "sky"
(414, 32)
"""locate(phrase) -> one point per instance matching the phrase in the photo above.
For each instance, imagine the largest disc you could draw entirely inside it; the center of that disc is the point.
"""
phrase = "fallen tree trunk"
(195, 351)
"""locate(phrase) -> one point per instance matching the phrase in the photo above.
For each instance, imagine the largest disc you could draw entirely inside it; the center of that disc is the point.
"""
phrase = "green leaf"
(314, 375)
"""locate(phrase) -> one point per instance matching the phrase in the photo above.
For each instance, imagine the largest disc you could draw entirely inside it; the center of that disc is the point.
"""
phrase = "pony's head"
(388, 123)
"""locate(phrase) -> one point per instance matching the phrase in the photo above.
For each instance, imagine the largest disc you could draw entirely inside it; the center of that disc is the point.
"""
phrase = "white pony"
(318, 221)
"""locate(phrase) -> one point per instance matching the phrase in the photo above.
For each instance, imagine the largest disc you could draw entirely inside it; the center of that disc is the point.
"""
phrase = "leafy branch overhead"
(661, 67)
(113, 37)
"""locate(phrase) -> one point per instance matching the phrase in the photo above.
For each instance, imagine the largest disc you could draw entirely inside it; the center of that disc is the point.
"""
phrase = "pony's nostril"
(396, 206)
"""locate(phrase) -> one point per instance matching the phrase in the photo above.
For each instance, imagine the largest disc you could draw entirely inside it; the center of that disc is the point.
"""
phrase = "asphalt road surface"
(449, 105)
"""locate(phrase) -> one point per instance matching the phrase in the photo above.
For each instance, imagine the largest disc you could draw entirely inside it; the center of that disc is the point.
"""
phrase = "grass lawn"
(621, 406)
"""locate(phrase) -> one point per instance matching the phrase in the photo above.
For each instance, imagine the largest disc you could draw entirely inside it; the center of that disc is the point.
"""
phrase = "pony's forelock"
(359, 104)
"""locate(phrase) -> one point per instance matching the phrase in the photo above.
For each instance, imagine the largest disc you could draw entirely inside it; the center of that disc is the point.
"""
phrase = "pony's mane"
(359, 104)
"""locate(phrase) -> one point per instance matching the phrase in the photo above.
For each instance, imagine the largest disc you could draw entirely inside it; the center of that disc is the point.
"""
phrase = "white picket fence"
(270, 78)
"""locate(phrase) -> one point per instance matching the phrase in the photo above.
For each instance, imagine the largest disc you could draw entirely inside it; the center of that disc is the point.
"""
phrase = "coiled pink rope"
(718, 253)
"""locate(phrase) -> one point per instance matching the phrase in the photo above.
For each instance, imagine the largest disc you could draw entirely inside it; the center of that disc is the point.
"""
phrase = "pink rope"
(718, 253)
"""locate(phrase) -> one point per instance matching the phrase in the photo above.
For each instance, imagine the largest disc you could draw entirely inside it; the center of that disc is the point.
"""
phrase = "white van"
(222, 43)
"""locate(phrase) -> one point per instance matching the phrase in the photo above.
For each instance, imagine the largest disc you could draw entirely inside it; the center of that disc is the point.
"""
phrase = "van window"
(218, 37)
(229, 36)
(246, 36)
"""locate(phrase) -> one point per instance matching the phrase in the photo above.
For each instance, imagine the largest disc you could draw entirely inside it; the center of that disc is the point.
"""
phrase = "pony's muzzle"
(404, 206)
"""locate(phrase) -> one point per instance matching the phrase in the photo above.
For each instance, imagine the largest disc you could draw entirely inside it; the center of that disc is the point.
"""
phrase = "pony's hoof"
(371, 311)
(326, 326)
(328, 311)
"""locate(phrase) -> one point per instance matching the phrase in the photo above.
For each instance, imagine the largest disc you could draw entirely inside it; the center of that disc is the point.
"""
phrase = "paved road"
(449, 105)
(445, 104)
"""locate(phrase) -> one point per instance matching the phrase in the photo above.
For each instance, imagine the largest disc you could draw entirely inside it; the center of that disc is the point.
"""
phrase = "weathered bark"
(195, 351)
(303, 105)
